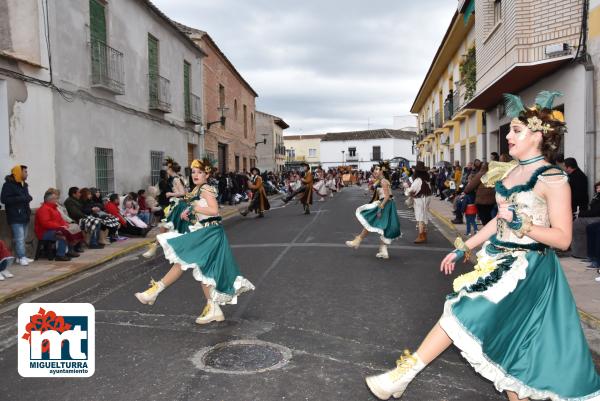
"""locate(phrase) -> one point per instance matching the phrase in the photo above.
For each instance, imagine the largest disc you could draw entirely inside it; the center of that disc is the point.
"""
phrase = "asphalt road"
(331, 314)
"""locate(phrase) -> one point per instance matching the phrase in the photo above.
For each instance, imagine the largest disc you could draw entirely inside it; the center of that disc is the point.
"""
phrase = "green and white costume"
(387, 225)
(514, 317)
(206, 250)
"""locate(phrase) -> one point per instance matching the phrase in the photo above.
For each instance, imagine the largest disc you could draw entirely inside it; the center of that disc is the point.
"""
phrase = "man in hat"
(421, 192)
(306, 189)
(259, 202)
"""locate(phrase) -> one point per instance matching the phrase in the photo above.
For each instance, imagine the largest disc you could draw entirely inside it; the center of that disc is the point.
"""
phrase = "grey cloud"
(325, 64)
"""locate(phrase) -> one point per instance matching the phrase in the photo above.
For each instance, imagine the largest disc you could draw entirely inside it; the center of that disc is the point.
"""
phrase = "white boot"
(149, 296)
(394, 382)
(383, 252)
(7, 274)
(151, 250)
(355, 243)
(211, 313)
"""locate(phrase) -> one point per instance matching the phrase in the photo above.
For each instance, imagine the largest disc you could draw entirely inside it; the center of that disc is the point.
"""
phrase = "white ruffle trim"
(471, 350)
(366, 224)
(509, 280)
(240, 285)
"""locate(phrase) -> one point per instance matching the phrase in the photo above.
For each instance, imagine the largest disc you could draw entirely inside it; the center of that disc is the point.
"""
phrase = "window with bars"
(105, 174)
(156, 162)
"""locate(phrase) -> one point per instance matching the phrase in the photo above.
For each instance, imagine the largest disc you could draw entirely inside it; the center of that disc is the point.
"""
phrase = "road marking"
(336, 245)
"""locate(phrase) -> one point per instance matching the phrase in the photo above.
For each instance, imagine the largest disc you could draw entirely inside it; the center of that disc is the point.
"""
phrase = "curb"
(96, 263)
(225, 216)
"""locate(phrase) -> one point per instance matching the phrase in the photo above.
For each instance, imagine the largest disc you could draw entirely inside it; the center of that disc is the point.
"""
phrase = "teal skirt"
(173, 220)
(515, 320)
(387, 225)
(205, 250)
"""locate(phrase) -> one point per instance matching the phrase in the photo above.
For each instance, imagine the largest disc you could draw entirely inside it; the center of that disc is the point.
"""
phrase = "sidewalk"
(581, 280)
(43, 271)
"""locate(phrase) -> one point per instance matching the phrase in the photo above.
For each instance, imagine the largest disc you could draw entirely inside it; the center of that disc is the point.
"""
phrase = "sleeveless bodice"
(527, 202)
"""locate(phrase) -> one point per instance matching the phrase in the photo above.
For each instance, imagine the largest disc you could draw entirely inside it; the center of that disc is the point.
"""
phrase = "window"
(351, 152)
(245, 122)
(235, 110)
(156, 161)
(312, 152)
(245, 165)
(186, 89)
(497, 11)
(97, 21)
(105, 175)
(251, 122)
(237, 164)
(222, 101)
(376, 153)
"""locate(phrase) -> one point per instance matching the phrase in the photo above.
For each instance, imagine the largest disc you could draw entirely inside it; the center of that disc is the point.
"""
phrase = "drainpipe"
(590, 124)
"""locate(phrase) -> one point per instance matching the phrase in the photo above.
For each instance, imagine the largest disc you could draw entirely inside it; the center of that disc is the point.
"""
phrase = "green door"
(186, 89)
(153, 69)
(98, 40)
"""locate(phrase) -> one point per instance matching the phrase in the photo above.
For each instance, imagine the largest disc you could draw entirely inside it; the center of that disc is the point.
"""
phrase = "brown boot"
(422, 235)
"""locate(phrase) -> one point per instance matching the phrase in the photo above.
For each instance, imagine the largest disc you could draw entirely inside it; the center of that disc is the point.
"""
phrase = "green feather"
(545, 99)
(513, 105)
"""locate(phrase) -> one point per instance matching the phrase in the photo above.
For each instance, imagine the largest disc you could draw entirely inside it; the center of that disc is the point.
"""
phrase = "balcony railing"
(193, 110)
(107, 68)
(448, 108)
(352, 158)
(438, 120)
(160, 93)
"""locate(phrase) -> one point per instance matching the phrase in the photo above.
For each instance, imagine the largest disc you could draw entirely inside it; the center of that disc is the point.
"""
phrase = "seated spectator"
(86, 221)
(6, 259)
(144, 212)
(130, 210)
(112, 207)
(151, 200)
(50, 226)
(590, 216)
(73, 226)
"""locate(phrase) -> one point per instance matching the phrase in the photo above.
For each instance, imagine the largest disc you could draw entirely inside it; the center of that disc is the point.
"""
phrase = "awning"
(519, 77)
(469, 9)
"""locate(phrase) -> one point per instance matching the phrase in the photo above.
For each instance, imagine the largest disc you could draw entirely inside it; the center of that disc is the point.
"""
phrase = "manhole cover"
(242, 357)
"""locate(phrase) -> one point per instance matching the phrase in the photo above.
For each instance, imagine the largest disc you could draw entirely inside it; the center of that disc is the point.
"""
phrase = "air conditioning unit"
(557, 49)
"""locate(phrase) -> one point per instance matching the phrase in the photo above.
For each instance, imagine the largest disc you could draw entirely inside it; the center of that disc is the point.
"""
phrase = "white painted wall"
(331, 151)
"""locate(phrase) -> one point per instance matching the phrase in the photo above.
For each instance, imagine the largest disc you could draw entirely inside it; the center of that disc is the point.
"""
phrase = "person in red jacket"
(50, 226)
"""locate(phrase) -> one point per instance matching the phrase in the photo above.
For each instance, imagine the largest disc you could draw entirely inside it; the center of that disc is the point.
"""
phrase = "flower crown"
(204, 164)
(539, 122)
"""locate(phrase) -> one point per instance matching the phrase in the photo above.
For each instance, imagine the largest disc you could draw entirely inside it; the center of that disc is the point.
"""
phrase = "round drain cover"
(242, 357)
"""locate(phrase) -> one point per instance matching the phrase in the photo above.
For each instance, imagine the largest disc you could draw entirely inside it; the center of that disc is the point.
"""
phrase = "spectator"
(74, 228)
(16, 198)
(151, 200)
(505, 158)
(6, 260)
(50, 226)
(471, 216)
(485, 197)
(494, 157)
(131, 210)
(560, 161)
(578, 184)
(112, 207)
(593, 245)
(76, 211)
(164, 187)
(144, 212)
(585, 218)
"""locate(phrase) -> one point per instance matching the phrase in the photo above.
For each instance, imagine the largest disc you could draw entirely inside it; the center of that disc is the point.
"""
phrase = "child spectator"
(471, 216)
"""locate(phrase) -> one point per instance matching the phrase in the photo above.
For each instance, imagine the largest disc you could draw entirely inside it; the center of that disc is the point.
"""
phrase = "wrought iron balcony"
(160, 93)
(107, 68)
(193, 109)
(448, 108)
(352, 158)
(438, 120)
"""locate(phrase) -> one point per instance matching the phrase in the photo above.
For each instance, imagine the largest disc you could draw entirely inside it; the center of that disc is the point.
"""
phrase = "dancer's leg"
(172, 275)
(206, 291)
(436, 342)
(513, 397)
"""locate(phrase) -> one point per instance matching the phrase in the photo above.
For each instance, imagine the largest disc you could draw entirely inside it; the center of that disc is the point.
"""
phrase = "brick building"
(229, 108)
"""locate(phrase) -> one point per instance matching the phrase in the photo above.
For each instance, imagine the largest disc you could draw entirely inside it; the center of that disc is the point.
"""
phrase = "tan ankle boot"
(355, 243)
(151, 250)
(422, 237)
(211, 313)
(149, 296)
(394, 382)
(102, 237)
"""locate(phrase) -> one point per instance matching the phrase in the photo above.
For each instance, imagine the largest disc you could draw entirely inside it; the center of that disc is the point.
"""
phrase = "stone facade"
(270, 152)
(227, 94)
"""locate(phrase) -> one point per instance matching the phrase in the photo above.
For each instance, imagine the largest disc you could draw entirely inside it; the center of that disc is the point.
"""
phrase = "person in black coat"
(16, 198)
(578, 183)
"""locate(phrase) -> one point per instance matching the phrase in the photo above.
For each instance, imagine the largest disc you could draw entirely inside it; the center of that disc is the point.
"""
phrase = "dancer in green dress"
(514, 318)
(204, 249)
(380, 215)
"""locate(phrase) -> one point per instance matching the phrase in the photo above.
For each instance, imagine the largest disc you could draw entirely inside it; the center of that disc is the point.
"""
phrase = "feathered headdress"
(537, 117)
(169, 162)
(384, 165)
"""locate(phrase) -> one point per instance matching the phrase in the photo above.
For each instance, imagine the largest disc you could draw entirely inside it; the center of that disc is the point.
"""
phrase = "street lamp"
(264, 141)
(343, 151)
(221, 120)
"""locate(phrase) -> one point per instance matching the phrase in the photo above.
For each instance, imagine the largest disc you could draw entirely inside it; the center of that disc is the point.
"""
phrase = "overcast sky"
(325, 65)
